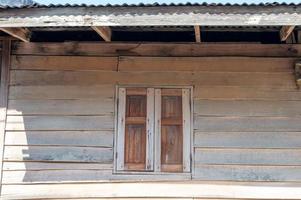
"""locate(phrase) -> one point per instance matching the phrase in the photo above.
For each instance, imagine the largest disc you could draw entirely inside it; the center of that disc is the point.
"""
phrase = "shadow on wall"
(54, 135)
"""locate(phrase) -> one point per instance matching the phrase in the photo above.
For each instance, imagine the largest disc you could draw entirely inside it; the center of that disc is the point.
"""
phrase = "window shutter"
(171, 130)
(135, 129)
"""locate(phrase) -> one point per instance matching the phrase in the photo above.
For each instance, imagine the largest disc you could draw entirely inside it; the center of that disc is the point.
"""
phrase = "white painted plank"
(120, 129)
(186, 106)
(61, 154)
(62, 138)
(20, 123)
(56, 176)
(79, 176)
(247, 108)
(99, 92)
(248, 156)
(61, 107)
(150, 129)
(230, 190)
(248, 139)
(247, 173)
(246, 124)
(157, 130)
(31, 166)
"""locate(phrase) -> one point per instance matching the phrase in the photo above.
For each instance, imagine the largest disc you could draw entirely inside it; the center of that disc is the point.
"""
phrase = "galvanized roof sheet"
(37, 5)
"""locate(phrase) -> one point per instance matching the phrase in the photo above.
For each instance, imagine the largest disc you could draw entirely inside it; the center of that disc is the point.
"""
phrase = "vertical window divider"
(186, 104)
(150, 129)
(158, 130)
(121, 128)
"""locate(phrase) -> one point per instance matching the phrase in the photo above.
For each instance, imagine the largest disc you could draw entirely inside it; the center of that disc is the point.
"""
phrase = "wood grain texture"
(80, 123)
(217, 64)
(178, 189)
(64, 63)
(248, 139)
(60, 138)
(248, 156)
(247, 108)
(46, 176)
(4, 89)
(246, 93)
(62, 92)
(156, 49)
(35, 78)
(58, 154)
(247, 173)
(244, 124)
(32, 166)
(61, 107)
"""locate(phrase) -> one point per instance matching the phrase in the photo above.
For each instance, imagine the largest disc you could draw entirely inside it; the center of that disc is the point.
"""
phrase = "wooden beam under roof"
(22, 34)
(105, 32)
(197, 33)
(285, 32)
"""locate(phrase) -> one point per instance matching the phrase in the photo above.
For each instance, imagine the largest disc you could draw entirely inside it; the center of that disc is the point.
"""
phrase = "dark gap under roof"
(257, 34)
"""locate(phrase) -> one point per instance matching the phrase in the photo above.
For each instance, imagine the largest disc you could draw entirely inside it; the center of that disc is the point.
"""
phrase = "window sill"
(156, 176)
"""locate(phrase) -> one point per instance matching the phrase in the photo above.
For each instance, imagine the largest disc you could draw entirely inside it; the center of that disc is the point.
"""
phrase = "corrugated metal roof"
(37, 5)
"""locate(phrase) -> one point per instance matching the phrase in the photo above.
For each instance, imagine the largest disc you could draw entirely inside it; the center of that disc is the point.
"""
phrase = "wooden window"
(153, 130)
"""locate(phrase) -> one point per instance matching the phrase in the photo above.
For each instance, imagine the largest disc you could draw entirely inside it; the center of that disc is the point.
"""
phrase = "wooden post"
(3, 97)
(22, 34)
(197, 33)
(285, 32)
(105, 32)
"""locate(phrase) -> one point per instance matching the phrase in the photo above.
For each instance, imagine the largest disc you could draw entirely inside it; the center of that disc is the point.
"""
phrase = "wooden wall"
(60, 118)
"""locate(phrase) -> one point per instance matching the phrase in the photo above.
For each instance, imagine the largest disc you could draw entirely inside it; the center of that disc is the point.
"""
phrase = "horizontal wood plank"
(247, 173)
(156, 49)
(78, 176)
(99, 92)
(46, 176)
(60, 138)
(61, 107)
(248, 156)
(246, 93)
(248, 139)
(58, 154)
(218, 64)
(231, 190)
(27, 123)
(246, 108)
(30, 166)
(64, 63)
(21, 77)
(247, 124)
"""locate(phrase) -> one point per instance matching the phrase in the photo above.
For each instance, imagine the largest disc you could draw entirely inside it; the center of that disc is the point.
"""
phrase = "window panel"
(153, 132)
(135, 147)
(171, 130)
(135, 129)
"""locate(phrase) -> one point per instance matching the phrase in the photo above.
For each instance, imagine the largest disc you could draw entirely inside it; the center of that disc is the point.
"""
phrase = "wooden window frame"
(153, 149)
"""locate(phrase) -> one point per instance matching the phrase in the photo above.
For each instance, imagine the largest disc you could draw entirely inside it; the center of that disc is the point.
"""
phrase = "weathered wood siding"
(60, 118)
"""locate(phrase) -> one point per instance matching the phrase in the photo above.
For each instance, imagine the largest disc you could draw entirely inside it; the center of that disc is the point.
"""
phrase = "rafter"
(285, 32)
(197, 33)
(105, 32)
(19, 33)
